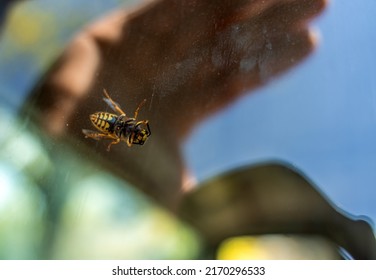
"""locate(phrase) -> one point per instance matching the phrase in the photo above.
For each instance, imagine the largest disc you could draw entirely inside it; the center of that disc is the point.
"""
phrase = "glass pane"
(162, 129)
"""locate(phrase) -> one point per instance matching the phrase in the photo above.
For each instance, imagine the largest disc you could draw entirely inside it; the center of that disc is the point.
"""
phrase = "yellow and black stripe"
(103, 121)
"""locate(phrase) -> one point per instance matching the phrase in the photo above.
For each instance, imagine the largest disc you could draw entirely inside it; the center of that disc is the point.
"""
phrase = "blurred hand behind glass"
(189, 59)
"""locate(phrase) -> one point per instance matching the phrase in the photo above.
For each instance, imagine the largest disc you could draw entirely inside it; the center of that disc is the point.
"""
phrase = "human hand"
(188, 58)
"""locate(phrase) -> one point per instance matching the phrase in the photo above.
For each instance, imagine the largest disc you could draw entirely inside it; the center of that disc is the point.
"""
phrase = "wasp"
(118, 127)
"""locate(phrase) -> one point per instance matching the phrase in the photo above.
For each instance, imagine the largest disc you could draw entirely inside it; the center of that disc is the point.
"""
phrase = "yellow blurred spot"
(241, 248)
(27, 27)
(278, 247)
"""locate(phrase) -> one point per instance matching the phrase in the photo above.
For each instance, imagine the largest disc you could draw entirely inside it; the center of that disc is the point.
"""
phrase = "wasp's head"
(141, 134)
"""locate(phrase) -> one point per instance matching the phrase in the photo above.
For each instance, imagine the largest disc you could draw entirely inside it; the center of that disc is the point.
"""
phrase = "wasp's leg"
(147, 126)
(130, 140)
(138, 108)
(116, 141)
(114, 106)
(98, 136)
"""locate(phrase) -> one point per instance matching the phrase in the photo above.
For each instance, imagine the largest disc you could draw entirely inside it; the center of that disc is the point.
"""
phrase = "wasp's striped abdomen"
(103, 121)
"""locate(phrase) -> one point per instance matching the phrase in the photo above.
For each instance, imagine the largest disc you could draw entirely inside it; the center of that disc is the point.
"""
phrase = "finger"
(285, 52)
(252, 70)
(66, 83)
(279, 55)
(289, 15)
(163, 22)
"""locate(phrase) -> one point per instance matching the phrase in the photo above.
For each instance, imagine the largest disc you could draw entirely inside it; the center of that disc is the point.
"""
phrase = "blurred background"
(320, 117)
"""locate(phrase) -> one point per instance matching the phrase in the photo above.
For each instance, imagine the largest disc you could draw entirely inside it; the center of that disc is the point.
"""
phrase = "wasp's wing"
(113, 105)
(96, 135)
(91, 134)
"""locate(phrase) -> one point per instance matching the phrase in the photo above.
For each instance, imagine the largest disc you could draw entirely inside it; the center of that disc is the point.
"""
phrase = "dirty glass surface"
(262, 121)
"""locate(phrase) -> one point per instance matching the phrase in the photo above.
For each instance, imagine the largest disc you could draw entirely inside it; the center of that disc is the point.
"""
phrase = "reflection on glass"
(188, 60)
